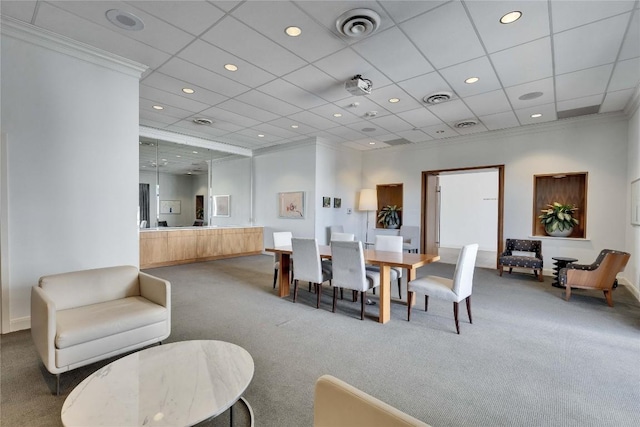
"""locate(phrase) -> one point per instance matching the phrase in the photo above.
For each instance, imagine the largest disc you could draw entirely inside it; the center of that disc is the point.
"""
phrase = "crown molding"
(179, 138)
(11, 27)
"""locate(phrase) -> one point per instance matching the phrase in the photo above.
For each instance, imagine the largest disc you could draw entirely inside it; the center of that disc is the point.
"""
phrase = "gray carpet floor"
(529, 359)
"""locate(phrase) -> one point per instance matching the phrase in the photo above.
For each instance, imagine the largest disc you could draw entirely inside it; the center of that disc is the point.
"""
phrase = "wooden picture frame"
(337, 202)
(291, 205)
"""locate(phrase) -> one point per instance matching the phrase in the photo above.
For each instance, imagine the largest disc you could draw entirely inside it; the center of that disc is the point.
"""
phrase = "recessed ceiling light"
(294, 126)
(510, 17)
(293, 31)
(188, 90)
(536, 115)
(124, 20)
(158, 107)
(194, 152)
(337, 115)
(231, 67)
(260, 135)
(372, 143)
(471, 80)
(394, 100)
(178, 155)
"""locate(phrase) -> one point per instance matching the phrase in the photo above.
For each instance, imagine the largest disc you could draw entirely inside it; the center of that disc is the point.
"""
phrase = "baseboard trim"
(627, 284)
(20, 324)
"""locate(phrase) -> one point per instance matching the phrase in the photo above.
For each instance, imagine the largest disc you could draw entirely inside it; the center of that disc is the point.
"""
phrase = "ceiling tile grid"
(560, 55)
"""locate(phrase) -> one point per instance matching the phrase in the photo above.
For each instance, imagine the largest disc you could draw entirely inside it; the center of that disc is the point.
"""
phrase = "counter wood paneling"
(172, 246)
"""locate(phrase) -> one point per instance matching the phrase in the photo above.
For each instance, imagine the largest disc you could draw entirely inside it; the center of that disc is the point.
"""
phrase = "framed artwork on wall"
(291, 205)
(221, 205)
(635, 202)
(337, 202)
(326, 202)
(170, 206)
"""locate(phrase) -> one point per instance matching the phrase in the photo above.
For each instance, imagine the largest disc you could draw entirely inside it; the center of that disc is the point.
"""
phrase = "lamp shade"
(368, 200)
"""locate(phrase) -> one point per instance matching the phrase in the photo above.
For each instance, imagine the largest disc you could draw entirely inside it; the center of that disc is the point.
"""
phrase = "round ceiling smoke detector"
(124, 20)
(465, 124)
(202, 121)
(358, 23)
(437, 98)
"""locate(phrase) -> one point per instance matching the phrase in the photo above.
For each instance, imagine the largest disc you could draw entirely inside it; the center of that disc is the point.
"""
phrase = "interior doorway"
(200, 207)
(473, 204)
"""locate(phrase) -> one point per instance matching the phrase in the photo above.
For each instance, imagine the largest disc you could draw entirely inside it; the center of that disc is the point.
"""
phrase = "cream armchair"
(81, 317)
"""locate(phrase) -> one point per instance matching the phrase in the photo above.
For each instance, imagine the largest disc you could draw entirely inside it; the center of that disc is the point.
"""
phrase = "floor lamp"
(368, 202)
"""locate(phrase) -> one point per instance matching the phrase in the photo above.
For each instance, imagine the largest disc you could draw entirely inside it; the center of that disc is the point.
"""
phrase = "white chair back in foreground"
(455, 290)
(349, 271)
(309, 266)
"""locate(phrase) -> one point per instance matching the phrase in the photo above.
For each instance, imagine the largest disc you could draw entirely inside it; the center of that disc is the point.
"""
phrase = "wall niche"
(565, 188)
(389, 194)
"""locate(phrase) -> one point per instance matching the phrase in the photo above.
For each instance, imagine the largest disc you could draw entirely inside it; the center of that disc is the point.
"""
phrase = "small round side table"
(560, 262)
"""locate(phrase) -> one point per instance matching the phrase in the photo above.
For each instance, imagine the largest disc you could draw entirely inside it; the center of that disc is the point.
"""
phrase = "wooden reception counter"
(181, 245)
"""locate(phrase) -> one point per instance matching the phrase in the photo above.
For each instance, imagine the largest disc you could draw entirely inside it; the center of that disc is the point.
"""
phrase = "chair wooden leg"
(409, 298)
(341, 293)
(469, 308)
(362, 298)
(275, 277)
(567, 293)
(510, 270)
(295, 290)
(318, 287)
(335, 297)
(354, 296)
(455, 316)
(399, 288)
(607, 295)
(539, 274)
(426, 302)
(501, 268)
(310, 287)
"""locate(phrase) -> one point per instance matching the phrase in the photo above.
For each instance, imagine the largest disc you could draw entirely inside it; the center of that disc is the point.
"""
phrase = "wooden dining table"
(385, 260)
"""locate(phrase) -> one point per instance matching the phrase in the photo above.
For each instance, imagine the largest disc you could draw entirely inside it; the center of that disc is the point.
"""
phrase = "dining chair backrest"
(463, 276)
(337, 229)
(342, 237)
(388, 243)
(143, 223)
(348, 265)
(409, 232)
(306, 257)
(282, 238)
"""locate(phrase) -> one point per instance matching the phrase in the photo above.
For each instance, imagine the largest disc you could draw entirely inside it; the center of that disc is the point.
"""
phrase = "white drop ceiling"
(576, 53)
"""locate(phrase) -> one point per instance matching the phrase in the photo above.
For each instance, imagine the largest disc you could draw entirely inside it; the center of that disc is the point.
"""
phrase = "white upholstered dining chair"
(455, 290)
(280, 238)
(309, 267)
(410, 237)
(343, 237)
(389, 244)
(349, 271)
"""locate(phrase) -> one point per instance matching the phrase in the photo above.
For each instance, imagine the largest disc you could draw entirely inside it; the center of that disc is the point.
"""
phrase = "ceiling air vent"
(357, 23)
(202, 121)
(399, 141)
(465, 124)
(437, 98)
(583, 111)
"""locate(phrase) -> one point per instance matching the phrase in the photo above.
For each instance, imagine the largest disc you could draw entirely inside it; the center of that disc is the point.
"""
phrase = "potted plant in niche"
(558, 220)
(389, 217)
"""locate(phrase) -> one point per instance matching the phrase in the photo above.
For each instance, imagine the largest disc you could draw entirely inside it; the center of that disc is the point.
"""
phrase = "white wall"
(71, 126)
(594, 144)
(338, 174)
(632, 272)
(233, 178)
(282, 169)
(469, 209)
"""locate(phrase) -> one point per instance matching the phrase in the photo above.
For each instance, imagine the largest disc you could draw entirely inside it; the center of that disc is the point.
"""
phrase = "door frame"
(428, 206)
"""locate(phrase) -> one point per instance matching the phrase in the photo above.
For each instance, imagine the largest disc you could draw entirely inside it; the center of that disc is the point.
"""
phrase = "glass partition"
(178, 183)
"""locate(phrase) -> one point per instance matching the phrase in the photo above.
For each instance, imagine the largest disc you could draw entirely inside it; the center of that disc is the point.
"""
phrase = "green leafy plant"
(389, 217)
(558, 217)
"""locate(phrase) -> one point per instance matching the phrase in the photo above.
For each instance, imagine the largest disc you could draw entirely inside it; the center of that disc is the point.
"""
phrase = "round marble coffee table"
(178, 384)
